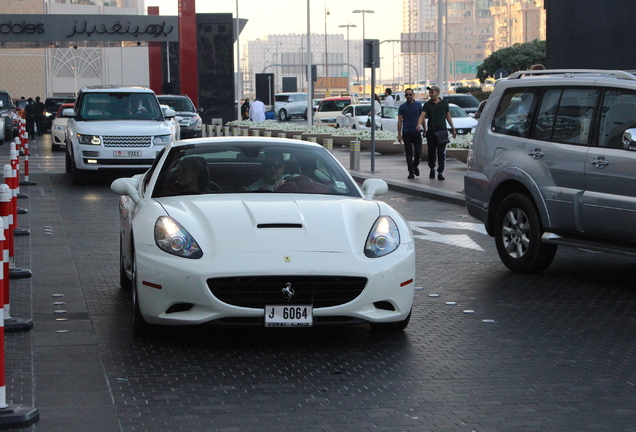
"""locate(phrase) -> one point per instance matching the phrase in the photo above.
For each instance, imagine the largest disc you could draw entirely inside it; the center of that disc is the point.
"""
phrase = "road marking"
(460, 240)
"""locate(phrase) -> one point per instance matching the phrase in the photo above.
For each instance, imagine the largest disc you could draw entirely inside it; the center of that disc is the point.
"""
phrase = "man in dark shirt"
(409, 132)
(437, 112)
(39, 115)
(29, 113)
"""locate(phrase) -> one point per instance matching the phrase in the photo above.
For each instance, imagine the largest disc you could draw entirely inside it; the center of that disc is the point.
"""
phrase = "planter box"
(458, 153)
(291, 133)
(342, 140)
(383, 146)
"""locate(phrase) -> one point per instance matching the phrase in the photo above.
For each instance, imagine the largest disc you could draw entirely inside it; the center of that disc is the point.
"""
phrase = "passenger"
(192, 175)
(136, 107)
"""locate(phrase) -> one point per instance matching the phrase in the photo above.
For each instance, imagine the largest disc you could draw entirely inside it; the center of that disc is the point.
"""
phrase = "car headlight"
(162, 139)
(89, 139)
(196, 121)
(383, 239)
(59, 127)
(172, 238)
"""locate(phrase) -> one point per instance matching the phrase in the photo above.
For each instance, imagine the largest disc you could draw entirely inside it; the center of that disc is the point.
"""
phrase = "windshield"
(251, 168)
(463, 101)
(119, 106)
(333, 105)
(457, 112)
(183, 104)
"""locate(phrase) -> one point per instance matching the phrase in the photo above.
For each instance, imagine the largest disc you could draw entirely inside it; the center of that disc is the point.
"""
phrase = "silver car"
(554, 163)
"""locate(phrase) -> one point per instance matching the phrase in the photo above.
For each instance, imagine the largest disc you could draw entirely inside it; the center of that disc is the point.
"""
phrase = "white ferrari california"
(267, 231)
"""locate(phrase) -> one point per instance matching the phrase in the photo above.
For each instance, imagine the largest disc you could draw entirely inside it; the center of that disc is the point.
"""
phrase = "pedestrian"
(388, 99)
(377, 105)
(437, 112)
(408, 128)
(39, 115)
(257, 110)
(245, 109)
(29, 114)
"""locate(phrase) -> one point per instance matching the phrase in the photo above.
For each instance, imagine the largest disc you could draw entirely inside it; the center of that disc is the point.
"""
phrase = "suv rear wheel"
(518, 234)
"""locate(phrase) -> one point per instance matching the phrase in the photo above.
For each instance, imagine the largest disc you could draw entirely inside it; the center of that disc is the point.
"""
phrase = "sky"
(290, 16)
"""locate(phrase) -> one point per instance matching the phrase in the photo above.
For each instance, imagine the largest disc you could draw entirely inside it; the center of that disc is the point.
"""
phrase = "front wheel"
(282, 115)
(518, 234)
(141, 328)
(305, 115)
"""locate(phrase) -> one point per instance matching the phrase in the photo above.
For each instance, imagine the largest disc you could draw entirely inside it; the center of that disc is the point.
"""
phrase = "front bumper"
(165, 286)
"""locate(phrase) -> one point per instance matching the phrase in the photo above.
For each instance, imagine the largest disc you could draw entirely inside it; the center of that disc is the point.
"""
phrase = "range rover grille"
(127, 141)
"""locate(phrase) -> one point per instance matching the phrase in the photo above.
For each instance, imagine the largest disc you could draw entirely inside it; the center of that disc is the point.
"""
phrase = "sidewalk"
(392, 169)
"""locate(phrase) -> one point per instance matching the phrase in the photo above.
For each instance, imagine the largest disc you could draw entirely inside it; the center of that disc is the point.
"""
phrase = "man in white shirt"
(388, 100)
(257, 110)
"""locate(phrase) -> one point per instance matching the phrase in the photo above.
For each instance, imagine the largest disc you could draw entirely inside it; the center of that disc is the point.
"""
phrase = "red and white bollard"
(14, 272)
(24, 135)
(11, 416)
(15, 192)
(10, 324)
(26, 181)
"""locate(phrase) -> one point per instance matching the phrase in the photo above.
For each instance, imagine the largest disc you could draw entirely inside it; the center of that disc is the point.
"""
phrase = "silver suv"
(554, 163)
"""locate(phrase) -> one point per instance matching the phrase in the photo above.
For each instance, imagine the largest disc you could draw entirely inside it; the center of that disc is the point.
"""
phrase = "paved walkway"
(392, 169)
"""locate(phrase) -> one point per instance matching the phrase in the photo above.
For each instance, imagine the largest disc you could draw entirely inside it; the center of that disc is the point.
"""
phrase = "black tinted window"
(513, 115)
(566, 115)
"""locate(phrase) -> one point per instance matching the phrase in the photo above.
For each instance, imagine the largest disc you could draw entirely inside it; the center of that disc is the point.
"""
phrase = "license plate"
(288, 316)
(126, 153)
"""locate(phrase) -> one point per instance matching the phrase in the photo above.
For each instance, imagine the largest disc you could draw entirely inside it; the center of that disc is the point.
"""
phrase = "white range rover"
(115, 128)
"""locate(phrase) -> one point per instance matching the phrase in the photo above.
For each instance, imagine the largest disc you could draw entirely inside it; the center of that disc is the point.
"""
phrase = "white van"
(288, 105)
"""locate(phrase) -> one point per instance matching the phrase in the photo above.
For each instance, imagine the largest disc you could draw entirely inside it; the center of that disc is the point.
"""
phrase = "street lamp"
(364, 75)
(348, 26)
(326, 56)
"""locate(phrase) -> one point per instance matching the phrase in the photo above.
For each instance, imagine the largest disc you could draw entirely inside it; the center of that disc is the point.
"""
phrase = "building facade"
(62, 70)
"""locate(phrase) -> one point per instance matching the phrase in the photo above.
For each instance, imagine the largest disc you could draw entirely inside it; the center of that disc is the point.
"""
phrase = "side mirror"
(68, 112)
(348, 115)
(373, 188)
(126, 186)
(629, 139)
(200, 110)
(169, 113)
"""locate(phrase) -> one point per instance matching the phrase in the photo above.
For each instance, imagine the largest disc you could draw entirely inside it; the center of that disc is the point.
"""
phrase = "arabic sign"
(98, 28)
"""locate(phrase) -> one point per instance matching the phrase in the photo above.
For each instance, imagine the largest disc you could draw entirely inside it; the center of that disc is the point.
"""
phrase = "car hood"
(124, 127)
(275, 222)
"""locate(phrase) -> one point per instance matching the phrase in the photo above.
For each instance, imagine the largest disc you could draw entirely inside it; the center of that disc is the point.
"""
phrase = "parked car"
(329, 109)
(288, 105)
(191, 123)
(115, 128)
(554, 163)
(58, 128)
(463, 123)
(52, 107)
(200, 244)
(7, 114)
(467, 102)
(354, 117)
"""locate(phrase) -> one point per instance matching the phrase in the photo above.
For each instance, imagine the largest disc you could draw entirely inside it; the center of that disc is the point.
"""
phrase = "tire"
(124, 281)
(392, 326)
(67, 161)
(141, 328)
(305, 115)
(55, 147)
(282, 115)
(77, 178)
(518, 234)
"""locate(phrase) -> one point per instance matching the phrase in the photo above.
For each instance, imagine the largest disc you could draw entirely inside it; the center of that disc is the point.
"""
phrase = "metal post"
(354, 156)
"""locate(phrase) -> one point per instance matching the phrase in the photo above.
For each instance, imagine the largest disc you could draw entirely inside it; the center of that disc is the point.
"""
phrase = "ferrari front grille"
(259, 291)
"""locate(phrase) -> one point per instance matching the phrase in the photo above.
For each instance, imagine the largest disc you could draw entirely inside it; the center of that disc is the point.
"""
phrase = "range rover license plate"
(288, 316)
(126, 153)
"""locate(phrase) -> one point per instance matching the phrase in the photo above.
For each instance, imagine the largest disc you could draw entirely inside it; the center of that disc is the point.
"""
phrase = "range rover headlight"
(383, 238)
(89, 139)
(172, 238)
(162, 139)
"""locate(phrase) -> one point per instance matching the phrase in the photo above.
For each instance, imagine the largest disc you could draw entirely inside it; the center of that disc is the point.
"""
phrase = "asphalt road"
(486, 350)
